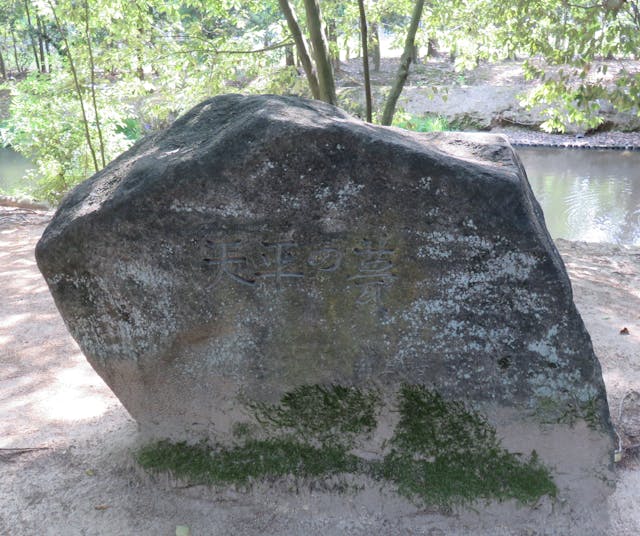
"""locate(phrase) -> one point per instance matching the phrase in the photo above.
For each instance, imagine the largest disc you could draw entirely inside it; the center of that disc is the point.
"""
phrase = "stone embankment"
(625, 141)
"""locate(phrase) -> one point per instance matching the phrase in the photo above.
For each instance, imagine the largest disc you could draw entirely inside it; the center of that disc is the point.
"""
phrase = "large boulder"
(265, 243)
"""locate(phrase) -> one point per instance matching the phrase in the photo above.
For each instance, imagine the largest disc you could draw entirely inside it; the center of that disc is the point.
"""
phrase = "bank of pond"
(591, 195)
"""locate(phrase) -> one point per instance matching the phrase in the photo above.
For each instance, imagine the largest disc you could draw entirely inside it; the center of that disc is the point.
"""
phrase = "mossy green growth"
(254, 460)
(326, 414)
(441, 453)
(550, 411)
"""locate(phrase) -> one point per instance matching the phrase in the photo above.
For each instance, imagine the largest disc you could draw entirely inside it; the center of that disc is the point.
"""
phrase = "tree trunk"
(47, 40)
(15, 51)
(365, 58)
(43, 64)
(405, 62)
(3, 69)
(415, 55)
(432, 48)
(301, 47)
(289, 57)
(320, 52)
(76, 82)
(334, 49)
(92, 68)
(139, 56)
(46, 45)
(31, 34)
(375, 46)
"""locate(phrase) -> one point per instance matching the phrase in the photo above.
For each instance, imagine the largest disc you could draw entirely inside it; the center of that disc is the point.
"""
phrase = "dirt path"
(82, 481)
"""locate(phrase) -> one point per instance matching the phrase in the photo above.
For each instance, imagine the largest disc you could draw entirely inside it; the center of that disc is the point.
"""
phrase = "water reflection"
(13, 166)
(590, 195)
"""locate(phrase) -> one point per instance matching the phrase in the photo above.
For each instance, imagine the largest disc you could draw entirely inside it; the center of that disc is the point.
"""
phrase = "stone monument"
(262, 245)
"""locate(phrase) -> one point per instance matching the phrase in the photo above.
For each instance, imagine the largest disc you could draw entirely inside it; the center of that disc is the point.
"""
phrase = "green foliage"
(276, 80)
(139, 66)
(130, 129)
(45, 128)
(427, 123)
(565, 43)
(440, 454)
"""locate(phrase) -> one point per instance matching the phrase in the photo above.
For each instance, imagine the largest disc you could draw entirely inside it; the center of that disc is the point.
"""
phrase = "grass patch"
(441, 452)
(427, 123)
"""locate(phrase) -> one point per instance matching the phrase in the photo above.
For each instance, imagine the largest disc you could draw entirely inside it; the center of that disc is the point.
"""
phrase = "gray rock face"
(263, 243)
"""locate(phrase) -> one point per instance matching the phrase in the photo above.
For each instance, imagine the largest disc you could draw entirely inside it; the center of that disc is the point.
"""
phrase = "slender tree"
(301, 46)
(92, 70)
(43, 64)
(31, 35)
(320, 52)
(365, 59)
(375, 46)
(76, 81)
(290, 57)
(405, 62)
(3, 69)
(15, 50)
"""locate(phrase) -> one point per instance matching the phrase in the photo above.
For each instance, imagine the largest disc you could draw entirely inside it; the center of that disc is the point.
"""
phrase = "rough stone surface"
(263, 243)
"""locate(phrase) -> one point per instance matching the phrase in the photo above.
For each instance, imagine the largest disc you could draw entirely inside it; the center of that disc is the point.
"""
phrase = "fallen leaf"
(101, 506)
(183, 530)
(624, 331)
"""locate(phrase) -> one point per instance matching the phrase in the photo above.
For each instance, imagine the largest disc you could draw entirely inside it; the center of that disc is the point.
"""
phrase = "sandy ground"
(79, 478)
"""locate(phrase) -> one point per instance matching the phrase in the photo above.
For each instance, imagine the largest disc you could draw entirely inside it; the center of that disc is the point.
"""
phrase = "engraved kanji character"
(374, 272)
(228, 259)
(325, 259)
(281, 259)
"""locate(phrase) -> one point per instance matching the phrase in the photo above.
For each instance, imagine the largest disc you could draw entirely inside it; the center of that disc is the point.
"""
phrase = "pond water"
(12, 168)
(590, 195)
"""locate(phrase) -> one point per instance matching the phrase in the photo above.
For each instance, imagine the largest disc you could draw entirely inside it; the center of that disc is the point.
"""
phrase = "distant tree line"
(88, 77)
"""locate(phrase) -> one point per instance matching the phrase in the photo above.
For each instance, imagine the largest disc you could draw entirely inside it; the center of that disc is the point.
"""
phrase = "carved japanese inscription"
(369, 267)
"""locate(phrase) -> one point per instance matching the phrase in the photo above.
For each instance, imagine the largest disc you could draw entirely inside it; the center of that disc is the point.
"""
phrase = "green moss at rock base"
(550, 411)
(441, 453)
(458, 479)
(254, 460)
(327, 414)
